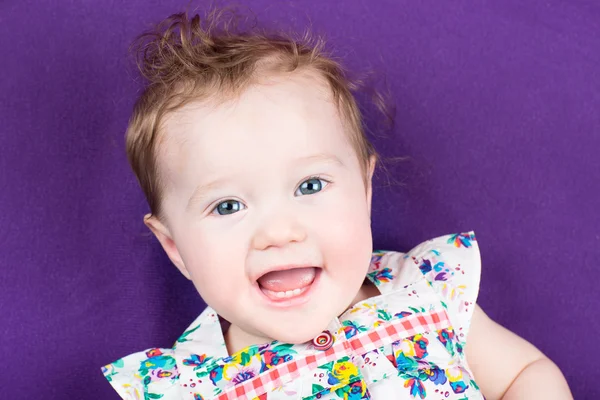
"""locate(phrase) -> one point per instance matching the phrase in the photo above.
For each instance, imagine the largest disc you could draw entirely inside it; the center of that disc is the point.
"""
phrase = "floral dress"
(406, 343)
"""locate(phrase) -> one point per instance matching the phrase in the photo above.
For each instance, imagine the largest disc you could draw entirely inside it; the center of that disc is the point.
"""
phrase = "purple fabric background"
(498, 108)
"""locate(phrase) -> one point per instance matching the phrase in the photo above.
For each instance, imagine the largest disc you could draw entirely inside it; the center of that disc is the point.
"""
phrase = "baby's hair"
(193, 59)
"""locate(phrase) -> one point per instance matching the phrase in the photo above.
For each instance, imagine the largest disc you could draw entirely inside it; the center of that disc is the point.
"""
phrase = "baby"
(251, 152)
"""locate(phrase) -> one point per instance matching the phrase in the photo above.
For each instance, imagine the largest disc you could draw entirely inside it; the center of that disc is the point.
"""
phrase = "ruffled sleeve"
(148, 374)
(451, 264)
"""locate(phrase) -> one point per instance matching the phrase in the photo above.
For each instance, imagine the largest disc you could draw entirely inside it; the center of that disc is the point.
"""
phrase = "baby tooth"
(285, 294)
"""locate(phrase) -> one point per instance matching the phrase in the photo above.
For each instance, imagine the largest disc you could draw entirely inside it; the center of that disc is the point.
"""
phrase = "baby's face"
(265, 208)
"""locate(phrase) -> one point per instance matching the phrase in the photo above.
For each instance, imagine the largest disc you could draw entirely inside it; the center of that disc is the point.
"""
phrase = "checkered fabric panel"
(386, 333)
(399, 329)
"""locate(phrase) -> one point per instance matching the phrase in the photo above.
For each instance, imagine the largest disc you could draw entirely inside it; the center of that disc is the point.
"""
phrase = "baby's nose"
(278, 233)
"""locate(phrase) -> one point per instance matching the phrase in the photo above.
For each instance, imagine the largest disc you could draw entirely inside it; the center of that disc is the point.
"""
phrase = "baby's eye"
(228, 207)
(311, 186)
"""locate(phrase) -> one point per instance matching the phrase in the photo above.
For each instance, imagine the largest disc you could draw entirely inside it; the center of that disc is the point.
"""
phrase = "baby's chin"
(299, 330)
(296, 329)
(299, 333)
(286, 331)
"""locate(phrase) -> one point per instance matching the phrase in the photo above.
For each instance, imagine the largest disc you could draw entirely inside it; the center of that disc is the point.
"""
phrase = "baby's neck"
(237, 339)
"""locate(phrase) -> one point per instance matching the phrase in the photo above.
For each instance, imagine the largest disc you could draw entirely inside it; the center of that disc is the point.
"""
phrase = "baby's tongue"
(281, 281)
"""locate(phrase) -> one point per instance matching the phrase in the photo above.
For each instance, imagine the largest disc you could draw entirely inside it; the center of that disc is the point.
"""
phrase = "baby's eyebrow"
(323, 157)
(201, 191)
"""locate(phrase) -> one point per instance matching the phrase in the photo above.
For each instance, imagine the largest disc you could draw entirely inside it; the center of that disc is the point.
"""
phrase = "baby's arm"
(506, 366)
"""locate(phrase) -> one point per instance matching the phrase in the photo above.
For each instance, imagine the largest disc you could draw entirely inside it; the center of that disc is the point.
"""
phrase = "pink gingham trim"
(386, 333)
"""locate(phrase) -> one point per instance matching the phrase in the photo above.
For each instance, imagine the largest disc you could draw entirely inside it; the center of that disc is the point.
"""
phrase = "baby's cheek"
(214, 260)
(349, 253)
(347, 246)
(218, 291)
(347, 233)
(213, 280)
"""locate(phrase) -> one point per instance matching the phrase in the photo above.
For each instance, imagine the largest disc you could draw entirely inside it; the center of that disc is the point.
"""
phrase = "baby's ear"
(163, 235)
(370, 171)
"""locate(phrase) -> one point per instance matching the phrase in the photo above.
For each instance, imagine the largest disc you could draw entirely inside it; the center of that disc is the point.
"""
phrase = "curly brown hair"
(190, 59)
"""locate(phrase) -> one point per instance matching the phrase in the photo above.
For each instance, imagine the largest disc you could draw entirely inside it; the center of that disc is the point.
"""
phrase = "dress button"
(324, 341)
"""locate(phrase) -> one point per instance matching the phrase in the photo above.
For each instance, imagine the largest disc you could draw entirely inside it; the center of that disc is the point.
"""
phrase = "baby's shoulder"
(448, 258)
(445, 270)
(152, 371)
(160, 372)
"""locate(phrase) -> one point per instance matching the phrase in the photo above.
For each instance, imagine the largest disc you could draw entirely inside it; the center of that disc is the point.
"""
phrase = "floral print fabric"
(438, 276)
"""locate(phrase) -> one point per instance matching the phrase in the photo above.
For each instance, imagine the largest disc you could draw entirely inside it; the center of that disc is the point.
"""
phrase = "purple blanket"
(497, 108)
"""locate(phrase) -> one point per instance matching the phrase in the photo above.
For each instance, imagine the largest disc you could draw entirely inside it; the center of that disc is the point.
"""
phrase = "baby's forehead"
(289, 113)
(297, 88)
(303, 99)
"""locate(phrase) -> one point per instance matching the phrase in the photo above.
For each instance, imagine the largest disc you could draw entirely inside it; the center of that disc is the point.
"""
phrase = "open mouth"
(287, 284)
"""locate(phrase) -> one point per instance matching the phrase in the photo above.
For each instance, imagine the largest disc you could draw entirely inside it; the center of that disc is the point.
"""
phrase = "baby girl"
(251, 151)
